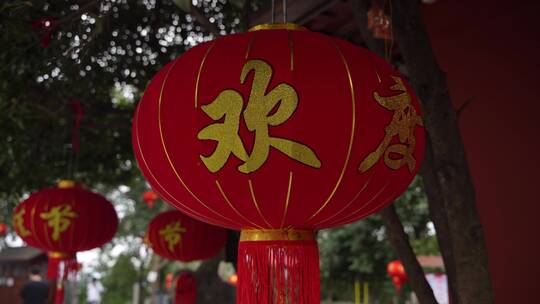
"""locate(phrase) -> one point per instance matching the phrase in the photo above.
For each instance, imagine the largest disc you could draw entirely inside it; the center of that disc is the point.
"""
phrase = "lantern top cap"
(66, 183)
(278, 26)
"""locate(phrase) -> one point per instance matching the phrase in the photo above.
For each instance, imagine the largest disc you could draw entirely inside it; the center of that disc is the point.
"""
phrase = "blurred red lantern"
(168, 280)
(278, 132)
(3, 229)
(176, 236)
(150, 198)
(397, 272)
(63, 221)
(186, 289)
(233, 280)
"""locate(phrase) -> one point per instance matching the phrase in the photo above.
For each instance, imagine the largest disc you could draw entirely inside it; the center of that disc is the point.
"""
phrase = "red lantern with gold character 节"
(178, 237)
(64, 221)
(278, 132)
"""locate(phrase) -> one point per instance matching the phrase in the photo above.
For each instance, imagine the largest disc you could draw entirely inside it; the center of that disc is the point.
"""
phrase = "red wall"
(491, 51)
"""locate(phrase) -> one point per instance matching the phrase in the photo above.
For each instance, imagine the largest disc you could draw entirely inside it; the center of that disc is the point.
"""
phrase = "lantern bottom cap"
(260, 235)
(60, 255)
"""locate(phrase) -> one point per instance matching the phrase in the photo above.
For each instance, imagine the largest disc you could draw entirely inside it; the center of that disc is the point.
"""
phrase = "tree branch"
(204, 21)
(400, 242)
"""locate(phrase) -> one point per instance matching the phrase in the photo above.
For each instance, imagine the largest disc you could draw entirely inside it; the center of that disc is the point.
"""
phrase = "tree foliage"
(118, 282)
(102, 53)
(361, 250)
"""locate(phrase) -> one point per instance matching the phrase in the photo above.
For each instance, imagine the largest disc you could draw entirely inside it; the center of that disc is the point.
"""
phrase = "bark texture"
(210, 288)
(446, 173)
(400, 242)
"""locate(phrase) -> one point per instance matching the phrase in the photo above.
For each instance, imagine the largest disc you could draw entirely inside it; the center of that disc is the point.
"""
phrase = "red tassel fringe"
(53, 268)
(278, 272)
(60, 268)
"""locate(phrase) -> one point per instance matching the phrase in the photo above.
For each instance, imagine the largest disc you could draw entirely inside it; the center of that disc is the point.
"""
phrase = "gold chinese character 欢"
(18, 222)
(59, 219)
(172, 234)
(403, 123)
(263, 110)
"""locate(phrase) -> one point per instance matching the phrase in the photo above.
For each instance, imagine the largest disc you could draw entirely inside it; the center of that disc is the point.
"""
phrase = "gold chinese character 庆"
(59, 219)
(402, 125)
(172, 234)
(18, 221)
(263, 110)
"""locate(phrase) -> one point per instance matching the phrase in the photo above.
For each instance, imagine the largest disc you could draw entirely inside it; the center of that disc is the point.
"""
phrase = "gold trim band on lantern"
(59, 255)
(277, 26)
(66, 183)
(255, 235)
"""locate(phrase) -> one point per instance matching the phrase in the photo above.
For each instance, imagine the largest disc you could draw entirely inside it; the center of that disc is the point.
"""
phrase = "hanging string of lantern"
(278, 132)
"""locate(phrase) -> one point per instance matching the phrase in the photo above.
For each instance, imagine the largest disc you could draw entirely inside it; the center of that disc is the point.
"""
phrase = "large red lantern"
(63, 221)
(176, 236)
(278, 132)
(396, 271)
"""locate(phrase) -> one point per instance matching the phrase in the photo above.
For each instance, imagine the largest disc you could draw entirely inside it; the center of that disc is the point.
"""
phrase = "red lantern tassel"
(55, 258)
(278, 267)
(59, 295)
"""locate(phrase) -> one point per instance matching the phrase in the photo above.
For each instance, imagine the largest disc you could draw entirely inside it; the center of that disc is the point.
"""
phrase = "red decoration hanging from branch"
(46, 27)
(278, 132)
(176, 236)
(379, 23)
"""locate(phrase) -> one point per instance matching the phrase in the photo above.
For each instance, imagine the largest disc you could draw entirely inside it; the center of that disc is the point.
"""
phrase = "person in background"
(36, 290)
(93, 291)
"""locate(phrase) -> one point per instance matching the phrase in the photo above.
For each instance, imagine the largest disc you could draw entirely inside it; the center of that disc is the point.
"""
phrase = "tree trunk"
(210, 288)
(437, 213)
(396, 234)
(447, 173)
(400, 242)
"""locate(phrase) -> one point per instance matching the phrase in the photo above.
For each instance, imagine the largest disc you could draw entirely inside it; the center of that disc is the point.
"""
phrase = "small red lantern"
(150, 198)
(3, 229)
(397, 272)
(233, 280)
(186, 289)
(176, 236)
(63, 221)
(380, 23)
(168, 280)
(278, 132)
